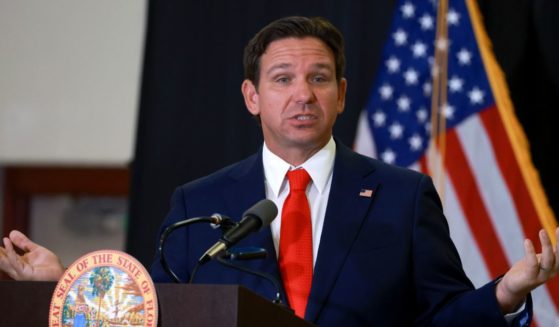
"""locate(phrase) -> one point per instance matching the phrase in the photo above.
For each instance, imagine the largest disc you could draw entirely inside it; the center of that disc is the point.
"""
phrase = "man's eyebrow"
(321, 65)
(278, 66)
(318, 65)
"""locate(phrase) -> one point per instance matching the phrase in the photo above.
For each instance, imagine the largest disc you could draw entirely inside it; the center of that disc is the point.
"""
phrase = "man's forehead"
(282, 52)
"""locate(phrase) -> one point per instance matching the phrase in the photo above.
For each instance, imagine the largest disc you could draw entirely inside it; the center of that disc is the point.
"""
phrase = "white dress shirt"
(319, 167)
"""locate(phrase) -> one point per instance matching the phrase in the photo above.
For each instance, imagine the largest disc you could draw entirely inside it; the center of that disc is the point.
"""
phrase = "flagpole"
(439, 100)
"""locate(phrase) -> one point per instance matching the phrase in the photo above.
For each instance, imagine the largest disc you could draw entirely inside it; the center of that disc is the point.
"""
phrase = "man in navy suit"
(381, 252)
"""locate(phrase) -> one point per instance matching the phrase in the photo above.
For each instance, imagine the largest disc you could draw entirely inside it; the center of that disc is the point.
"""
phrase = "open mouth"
(303, 117)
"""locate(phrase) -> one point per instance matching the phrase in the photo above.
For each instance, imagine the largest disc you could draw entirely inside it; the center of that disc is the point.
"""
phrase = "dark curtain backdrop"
(192, 117)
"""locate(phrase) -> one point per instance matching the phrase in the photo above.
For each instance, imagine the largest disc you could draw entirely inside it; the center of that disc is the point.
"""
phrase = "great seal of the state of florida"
(104, 288)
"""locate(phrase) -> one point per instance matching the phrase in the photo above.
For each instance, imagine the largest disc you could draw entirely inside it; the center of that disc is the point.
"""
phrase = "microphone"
(254, 219)
(216, 220)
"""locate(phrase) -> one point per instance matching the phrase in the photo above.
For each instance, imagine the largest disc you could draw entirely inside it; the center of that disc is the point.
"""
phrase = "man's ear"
(342, 87)
(251, 97)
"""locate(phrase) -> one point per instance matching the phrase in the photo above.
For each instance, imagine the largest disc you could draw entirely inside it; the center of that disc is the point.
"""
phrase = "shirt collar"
(319, 167)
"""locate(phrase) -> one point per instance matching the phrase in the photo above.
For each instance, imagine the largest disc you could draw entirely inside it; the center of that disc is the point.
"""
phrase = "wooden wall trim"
(22, 183)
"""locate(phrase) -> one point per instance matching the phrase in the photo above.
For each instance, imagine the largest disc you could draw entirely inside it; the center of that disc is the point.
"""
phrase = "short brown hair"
(298, 27)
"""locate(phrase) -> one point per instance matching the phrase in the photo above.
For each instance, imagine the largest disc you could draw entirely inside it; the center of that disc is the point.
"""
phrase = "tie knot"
(298, 179)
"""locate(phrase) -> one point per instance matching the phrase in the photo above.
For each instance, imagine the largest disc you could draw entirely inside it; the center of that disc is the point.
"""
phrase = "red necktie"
(295, 248)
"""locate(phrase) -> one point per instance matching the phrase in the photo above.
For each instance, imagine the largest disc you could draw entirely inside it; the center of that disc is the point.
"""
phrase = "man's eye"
(282, 80)
(319, 79)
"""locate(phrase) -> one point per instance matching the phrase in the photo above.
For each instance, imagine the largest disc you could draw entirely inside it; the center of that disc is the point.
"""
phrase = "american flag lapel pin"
(366, 192)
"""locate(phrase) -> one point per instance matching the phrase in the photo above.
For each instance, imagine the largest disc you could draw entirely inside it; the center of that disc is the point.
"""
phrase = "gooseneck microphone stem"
(266, 276)
(254, 219)
(166, 234)
(257, 217)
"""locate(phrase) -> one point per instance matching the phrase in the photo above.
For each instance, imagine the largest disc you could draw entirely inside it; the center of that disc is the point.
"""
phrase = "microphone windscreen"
(265, 210)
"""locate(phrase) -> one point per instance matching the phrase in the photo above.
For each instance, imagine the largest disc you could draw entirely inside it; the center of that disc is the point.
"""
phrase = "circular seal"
(104, 288)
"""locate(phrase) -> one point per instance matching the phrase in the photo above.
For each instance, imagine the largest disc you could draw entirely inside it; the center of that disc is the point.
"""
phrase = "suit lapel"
(248, 189)
(347, 208)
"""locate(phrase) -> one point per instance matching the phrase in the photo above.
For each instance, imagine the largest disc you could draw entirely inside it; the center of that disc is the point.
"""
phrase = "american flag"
(367, 193)
(439, 78)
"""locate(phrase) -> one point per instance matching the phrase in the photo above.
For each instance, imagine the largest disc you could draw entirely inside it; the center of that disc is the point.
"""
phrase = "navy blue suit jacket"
(384, 260)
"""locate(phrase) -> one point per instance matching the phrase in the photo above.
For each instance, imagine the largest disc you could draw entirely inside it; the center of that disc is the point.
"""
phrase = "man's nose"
(304, 92)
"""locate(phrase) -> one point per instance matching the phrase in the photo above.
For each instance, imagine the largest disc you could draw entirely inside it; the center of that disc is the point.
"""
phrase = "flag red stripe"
(423, 165)
(473, 206)
(510, 168)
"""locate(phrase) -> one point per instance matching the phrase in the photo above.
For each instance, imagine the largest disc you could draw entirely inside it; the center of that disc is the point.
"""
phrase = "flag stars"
(476, 96)
(464, 57)
(427, 89)
(411, 76)
(403, 114)
(393, 64)
(427, 22)
(396, 131)
(453, 17)
(448, 111)
(416, 142)
(400, 37)
(404, 103)
(386, 91)
(428, 128)
(421, 115)
(419, 49)
(379, 118)
(408, 10)
(455, 84)
(388, 156)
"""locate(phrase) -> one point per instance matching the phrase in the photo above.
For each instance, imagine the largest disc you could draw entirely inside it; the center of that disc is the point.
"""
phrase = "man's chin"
(309, 141)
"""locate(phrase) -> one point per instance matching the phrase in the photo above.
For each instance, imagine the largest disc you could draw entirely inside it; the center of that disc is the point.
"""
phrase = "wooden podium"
(27, 304)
